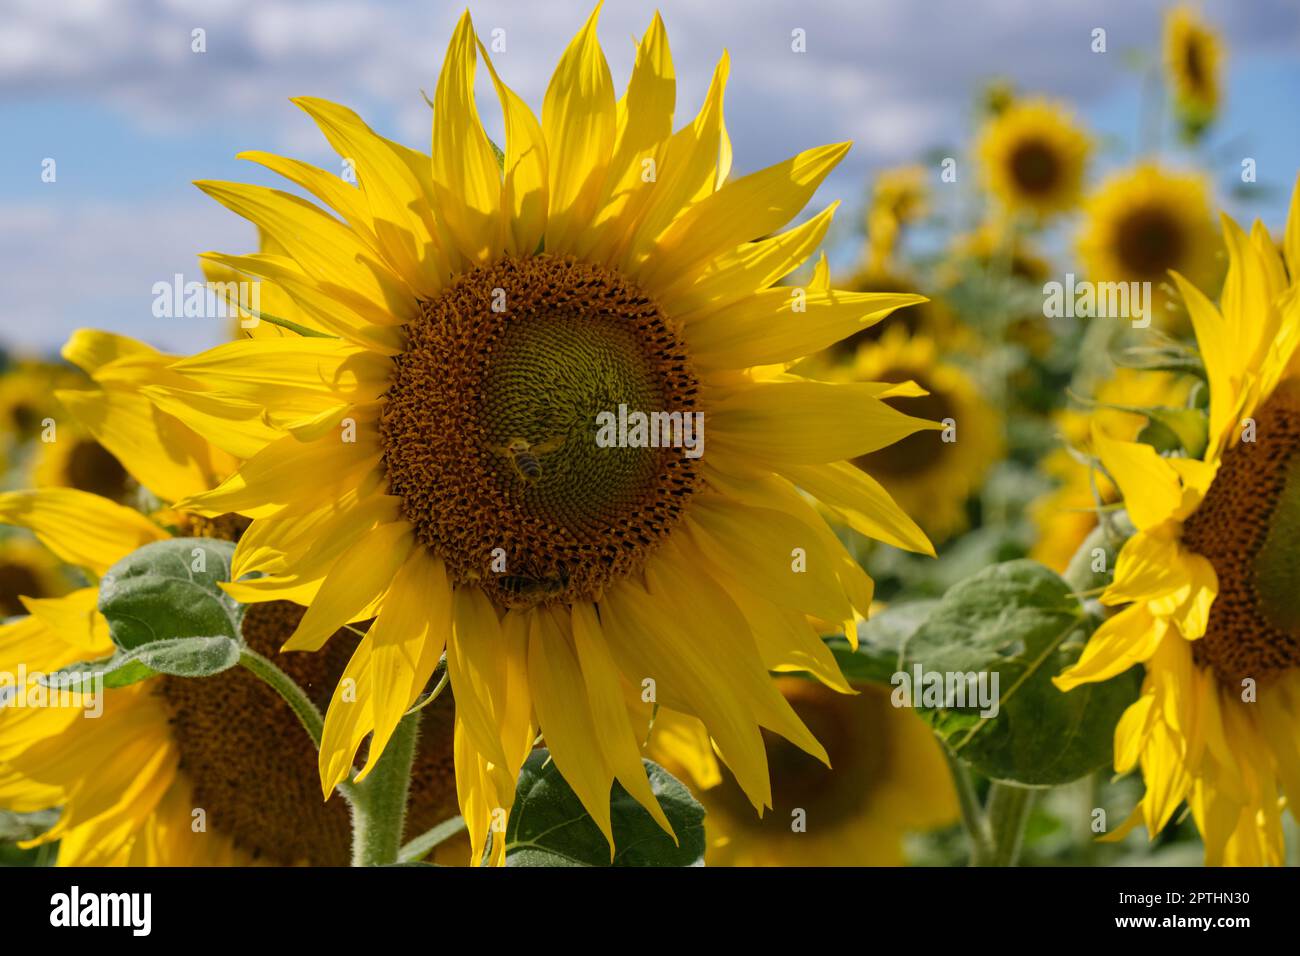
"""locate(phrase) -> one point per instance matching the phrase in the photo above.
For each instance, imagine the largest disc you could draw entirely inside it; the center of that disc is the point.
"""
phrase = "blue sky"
(112, 92)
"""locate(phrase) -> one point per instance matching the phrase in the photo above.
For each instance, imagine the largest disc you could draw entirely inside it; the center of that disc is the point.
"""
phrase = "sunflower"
(887, 777)
(1065, 516)
(1032, 156)
(928, 316)
(1207, 585)
(1193, 66)
(1143, 223)
(439, 468)
(930, 474)
(175, 772)
(26, 570)
(24, 401)
(74, 459)
(898, 197)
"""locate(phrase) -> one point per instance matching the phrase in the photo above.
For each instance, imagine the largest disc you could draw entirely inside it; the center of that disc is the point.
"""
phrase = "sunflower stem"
(379, 802)
(1008, 813)
(293, 695)
(973, 821)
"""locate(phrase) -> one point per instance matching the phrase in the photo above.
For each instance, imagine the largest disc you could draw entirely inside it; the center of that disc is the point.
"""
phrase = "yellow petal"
(466, 180)
(85, 530)
(807, 423)
(407, 640)
(578, 121)
(1151, 489)
(559, 697)
(744, 210)
(1128, 638)
(364, 572)
(862, 503)
(524, 191)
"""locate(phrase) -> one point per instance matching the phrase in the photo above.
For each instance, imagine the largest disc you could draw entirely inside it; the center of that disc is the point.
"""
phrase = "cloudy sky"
(111, 90)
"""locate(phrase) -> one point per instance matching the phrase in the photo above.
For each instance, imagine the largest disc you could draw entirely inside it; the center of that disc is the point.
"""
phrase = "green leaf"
(880, 642)
(26, 826)
(549, 826)
(169, 589)
(1020, 622)
(179, 656)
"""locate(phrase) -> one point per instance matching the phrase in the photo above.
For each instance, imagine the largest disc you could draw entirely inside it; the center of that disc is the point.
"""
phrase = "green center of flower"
(921, 451)
(503, 429)
(253, 769)
(852, 729)
(1035, 167)
(1247, 527)
(1149, 242)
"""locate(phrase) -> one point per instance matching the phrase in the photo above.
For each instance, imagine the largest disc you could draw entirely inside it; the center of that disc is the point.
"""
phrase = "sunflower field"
(564, 488)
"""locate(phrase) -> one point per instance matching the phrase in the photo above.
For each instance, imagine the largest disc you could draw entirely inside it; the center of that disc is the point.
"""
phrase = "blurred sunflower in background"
(397, 492)
(1143, 223)
(899, 197)
(886, 778)
(27, 570)
(1032, 157)
(128, 782)
(1207, 586)
(1193, 55)
(931, 474)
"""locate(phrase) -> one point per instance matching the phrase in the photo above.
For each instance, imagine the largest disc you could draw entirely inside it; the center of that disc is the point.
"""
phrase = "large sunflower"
(1193, 65)
(439, 468)
(1145, 222)
(1032, 157)
(174, 772)
(887, 777)
(1208, 583)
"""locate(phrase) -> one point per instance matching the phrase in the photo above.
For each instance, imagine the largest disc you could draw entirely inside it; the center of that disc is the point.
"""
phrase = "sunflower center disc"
(919, 451)
(492, 429)
(252, 767)
(1149, 242)
(1247, 528)
(1035, 167)
(850, 728)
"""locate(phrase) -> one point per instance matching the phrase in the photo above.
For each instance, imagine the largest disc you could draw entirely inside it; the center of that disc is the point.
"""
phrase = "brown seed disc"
(226, 527)
(17, 580)
(1230, 528)
(1149, 241)
(252, 767)
(490, 429)
(91, 467)
(1035, 167)
(918, 452)
(851, 730)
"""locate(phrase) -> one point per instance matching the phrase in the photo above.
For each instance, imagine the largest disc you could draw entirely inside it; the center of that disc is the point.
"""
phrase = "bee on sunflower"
(887, 778)
(1033, 157)
(1193, 67)
(1206, 588)
(462, 307)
